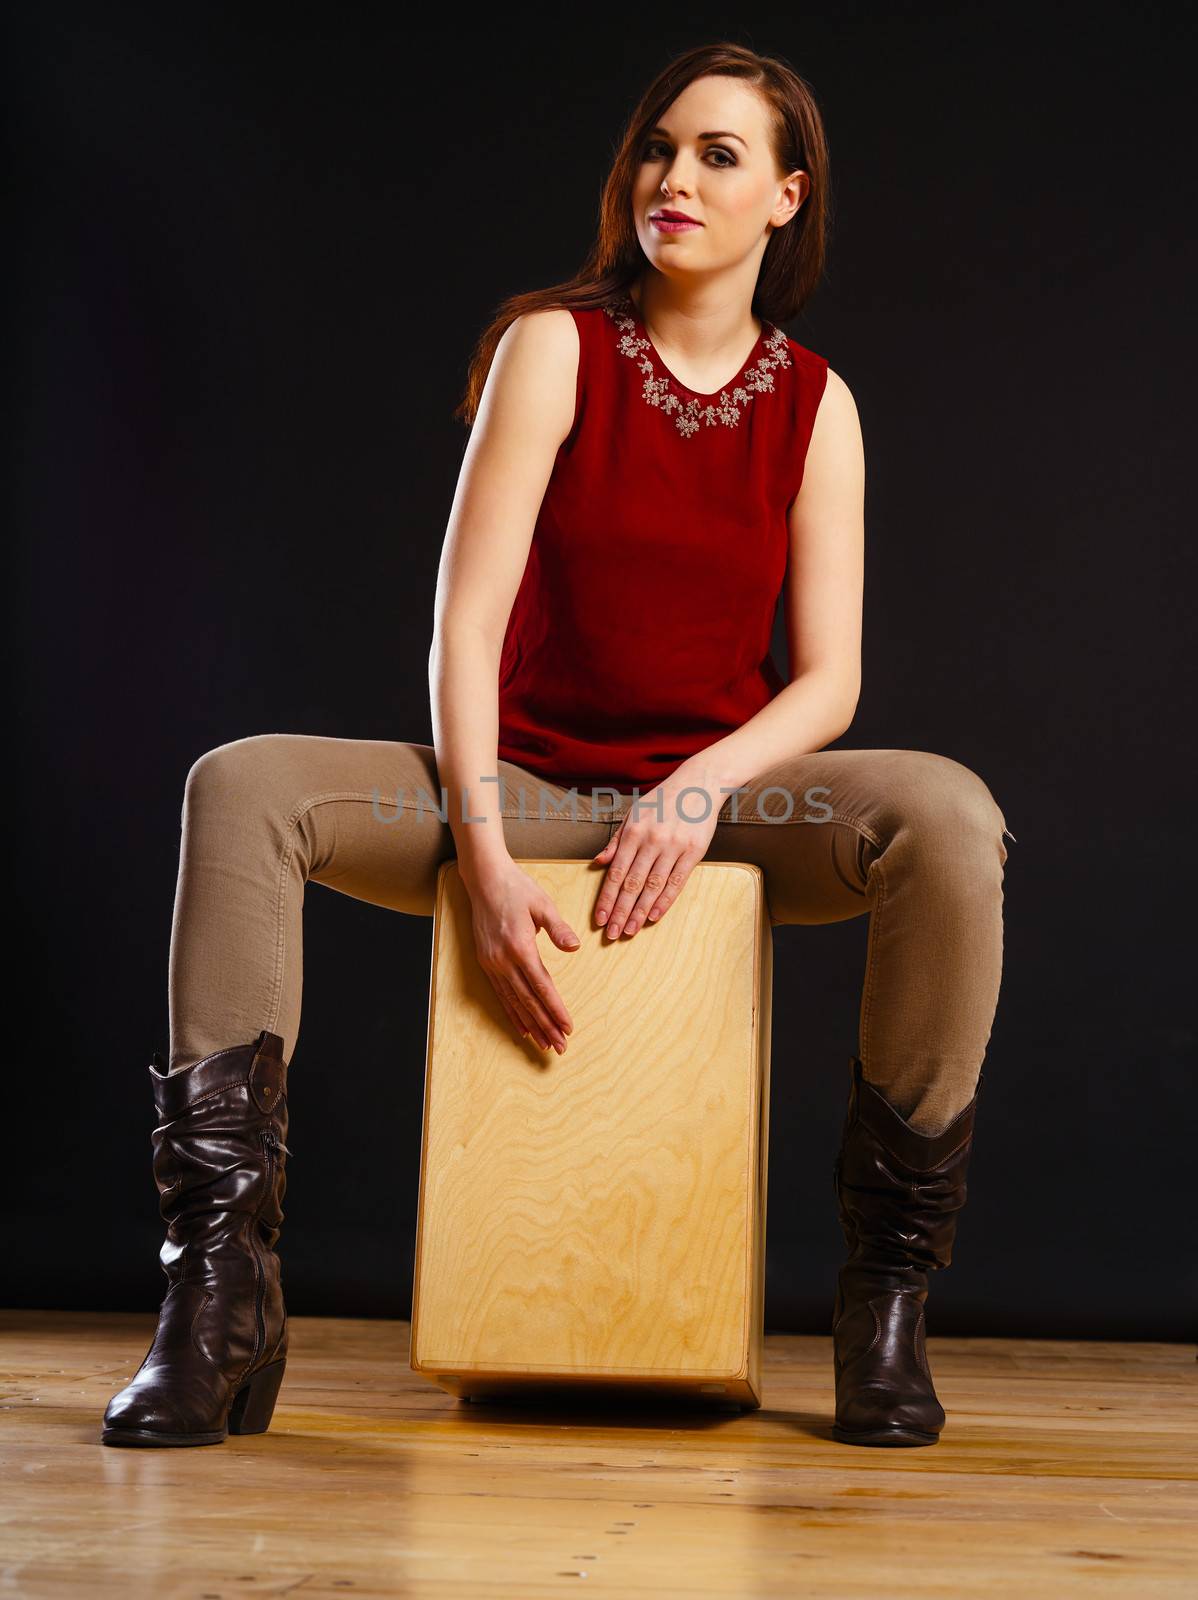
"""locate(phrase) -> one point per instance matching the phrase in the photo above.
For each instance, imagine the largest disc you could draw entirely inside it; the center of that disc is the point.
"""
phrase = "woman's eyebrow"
(725, 135)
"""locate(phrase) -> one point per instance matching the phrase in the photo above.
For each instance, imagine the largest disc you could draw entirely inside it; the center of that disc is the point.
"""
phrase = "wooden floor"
(1065, 1469)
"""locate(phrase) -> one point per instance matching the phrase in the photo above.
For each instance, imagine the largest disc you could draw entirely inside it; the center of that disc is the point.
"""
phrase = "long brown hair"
(793, 262)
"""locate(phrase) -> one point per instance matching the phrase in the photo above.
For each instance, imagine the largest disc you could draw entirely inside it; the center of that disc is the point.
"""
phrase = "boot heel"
(254, 1405)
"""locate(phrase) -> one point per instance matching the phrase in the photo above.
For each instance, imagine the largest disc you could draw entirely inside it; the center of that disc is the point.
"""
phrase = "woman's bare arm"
(526, 411)
(825, 576)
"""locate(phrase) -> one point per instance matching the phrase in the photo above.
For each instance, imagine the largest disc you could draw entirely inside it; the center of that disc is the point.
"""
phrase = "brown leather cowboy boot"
(220, 1348)
(899, 1193)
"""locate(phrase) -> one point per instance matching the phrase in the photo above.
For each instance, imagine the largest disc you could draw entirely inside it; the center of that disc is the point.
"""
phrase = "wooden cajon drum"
(595, 1222)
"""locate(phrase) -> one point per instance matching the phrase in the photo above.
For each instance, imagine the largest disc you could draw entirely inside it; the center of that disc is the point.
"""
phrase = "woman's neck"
(703, 333)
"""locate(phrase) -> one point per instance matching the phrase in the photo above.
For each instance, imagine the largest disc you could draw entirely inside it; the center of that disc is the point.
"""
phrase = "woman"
(652, 463)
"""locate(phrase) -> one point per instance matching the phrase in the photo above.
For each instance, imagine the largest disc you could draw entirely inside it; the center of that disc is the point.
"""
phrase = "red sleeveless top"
(640, 633)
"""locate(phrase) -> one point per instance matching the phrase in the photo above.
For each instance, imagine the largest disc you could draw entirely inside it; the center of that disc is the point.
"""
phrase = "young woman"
(652, 463)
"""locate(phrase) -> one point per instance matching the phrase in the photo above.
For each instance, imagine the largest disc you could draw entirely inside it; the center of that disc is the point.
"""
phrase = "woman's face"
(712, 148)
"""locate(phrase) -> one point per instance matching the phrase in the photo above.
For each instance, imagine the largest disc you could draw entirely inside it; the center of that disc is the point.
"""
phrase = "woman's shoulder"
(586, 318)
(806, 359)
(546, 325)
(557, 332)
(811, 379)
(560, 316)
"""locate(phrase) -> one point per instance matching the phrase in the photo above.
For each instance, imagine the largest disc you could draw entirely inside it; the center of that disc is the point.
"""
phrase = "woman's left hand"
(649, 858)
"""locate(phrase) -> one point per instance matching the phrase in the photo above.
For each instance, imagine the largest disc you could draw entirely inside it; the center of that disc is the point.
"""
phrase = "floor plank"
(1066, 1468)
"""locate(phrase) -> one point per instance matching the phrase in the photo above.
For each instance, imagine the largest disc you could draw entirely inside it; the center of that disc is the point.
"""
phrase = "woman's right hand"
(508, 908)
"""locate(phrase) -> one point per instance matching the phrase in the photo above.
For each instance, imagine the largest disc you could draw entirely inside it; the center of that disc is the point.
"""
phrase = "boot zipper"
(272, 1144)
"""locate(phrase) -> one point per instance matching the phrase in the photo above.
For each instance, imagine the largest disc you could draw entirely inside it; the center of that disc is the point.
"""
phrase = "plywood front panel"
(600, 1214)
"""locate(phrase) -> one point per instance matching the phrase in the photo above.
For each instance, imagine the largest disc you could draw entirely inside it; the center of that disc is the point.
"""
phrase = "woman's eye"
(651, 151)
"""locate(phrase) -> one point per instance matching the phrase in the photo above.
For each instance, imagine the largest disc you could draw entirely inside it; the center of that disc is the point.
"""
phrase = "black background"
(252, 251)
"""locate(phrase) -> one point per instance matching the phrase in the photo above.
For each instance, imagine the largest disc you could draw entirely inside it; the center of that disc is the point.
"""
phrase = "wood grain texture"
(1067, 1469)
(598, 1218)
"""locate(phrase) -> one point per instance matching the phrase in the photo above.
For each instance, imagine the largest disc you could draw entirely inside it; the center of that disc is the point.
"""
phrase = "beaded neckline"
(690, 409)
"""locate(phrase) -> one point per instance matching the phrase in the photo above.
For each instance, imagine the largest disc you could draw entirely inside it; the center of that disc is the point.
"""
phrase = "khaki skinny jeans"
(913, 838)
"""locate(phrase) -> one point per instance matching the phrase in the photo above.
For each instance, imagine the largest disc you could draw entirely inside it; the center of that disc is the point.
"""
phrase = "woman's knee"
(250, 770)
(942, 800)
